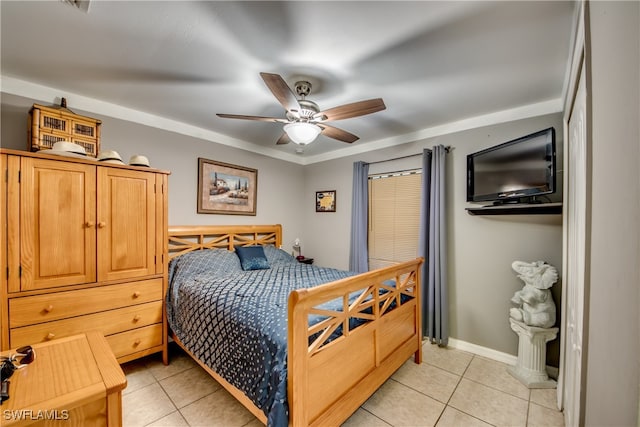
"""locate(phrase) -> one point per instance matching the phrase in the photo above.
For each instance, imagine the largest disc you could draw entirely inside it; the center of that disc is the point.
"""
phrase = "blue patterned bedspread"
(235, 321)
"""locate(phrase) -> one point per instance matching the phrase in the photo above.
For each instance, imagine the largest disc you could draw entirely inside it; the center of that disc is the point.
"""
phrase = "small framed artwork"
(226, 189)
(326, 201)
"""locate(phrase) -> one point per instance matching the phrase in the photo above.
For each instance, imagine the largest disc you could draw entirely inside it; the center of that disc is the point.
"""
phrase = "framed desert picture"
(326, 201)
(226, 189)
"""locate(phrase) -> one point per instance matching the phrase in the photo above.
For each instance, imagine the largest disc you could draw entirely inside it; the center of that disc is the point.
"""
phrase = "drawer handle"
(102, 224)
(48, 308)
(136, 294)
(137, 342)
(89, 224)
(50, 336)
(136, 317)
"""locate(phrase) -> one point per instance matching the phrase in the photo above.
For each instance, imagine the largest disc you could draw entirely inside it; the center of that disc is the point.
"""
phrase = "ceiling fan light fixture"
(302, 133)
(304, 120)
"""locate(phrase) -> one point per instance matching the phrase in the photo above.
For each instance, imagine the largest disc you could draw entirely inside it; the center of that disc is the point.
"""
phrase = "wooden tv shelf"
(518, 209)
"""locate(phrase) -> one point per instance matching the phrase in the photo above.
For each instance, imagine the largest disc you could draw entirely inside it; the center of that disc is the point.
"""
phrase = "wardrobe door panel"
(126, 224)
(57, 224)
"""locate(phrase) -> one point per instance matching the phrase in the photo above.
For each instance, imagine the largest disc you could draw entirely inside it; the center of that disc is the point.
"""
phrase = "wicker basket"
(48, 125)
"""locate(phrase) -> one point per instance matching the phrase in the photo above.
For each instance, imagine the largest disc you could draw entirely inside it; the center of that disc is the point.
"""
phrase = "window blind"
(394, 217)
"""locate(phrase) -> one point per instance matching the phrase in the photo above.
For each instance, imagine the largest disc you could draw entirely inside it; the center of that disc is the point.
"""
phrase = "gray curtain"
(432, 246)
(358, 255)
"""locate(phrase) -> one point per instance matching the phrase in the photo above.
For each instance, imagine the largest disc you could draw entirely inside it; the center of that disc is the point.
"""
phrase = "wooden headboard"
(187, 238)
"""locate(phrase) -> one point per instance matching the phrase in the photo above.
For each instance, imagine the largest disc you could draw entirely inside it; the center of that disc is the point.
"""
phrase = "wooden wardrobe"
(83, 248)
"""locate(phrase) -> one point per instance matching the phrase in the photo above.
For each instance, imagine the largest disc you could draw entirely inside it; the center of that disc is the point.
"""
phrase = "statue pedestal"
(532, 355)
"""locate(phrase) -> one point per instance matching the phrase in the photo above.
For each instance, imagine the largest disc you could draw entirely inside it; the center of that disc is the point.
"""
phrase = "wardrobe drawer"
(107, 322)
(54, 306)
(135, 340)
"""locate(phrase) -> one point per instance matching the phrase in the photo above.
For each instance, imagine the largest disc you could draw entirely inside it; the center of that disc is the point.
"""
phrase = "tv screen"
(515, 171)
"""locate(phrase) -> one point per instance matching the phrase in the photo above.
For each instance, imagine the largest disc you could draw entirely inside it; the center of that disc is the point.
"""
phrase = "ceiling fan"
(304, 120)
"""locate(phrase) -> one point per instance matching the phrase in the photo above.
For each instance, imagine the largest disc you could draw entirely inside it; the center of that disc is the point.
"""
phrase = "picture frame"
(226, 189)
(326, 201)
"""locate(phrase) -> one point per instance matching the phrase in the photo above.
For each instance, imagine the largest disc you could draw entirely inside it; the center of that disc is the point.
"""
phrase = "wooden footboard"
(329, 377)
(335, 364)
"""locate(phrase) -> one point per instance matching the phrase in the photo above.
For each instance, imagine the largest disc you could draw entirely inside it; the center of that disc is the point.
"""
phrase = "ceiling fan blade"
(284, 139)
(281, 91)
(258, 118)
(355, 109)
(339, 134)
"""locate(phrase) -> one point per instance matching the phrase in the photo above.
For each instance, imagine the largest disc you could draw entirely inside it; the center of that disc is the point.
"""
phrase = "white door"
(574, 280)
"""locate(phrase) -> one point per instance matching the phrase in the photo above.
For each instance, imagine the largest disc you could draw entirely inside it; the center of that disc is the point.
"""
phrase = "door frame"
(578, 66)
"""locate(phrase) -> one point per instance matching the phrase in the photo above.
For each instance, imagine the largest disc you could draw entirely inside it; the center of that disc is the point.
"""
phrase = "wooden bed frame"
(328, 381)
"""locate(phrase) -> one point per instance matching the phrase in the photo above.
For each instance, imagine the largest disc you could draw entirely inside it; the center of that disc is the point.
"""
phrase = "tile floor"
(450, 388)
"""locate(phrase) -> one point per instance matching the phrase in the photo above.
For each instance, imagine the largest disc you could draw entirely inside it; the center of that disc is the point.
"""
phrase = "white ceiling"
(434, 63)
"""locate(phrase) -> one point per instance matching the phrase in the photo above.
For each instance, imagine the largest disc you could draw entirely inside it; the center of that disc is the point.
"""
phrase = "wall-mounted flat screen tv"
(515, 171)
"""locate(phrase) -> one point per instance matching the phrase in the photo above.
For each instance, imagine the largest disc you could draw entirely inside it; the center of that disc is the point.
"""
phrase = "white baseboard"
(489, 353)
(492, 354)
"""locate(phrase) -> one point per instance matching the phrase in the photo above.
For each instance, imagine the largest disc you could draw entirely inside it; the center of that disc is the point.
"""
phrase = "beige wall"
(280, 183)
(612, 317)
(481, 248)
